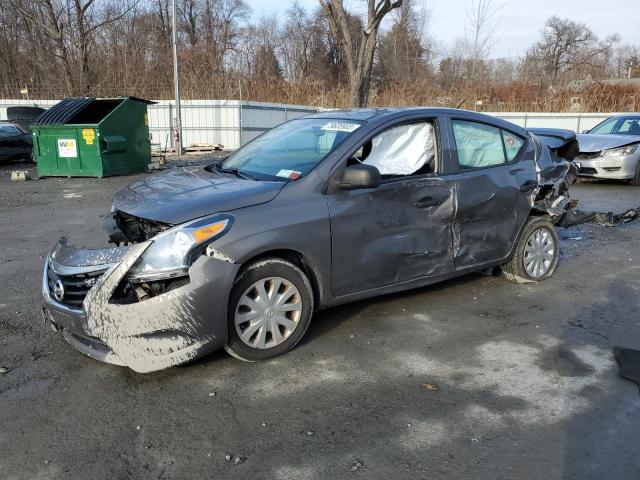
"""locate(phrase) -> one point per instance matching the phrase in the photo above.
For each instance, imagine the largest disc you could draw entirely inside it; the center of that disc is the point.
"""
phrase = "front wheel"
(536, 255)
(636, 178)
(269, 310)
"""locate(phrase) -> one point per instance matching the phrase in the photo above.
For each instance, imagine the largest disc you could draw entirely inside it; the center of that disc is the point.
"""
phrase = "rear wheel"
(269, 310)
(536, 255)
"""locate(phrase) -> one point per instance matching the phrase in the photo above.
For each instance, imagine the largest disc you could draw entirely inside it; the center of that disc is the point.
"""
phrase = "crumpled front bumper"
(611, 167)
(159, 332)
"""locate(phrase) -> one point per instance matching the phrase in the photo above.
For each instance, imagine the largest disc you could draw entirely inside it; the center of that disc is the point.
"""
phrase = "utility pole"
(176, 80)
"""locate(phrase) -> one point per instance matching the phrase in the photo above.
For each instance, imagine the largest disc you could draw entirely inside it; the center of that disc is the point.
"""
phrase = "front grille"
(587, 171)
(75, 286)
(587, 155)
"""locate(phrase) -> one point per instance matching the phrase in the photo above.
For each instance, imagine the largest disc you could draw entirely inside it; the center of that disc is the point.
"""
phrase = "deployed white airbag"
(402, 150)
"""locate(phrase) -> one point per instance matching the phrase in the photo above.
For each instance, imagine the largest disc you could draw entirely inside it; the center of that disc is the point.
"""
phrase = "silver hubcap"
(538, 253)
(268, 312)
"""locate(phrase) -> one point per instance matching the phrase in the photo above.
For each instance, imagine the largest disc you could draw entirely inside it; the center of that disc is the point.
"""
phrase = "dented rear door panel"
(492, 207)
(493, 203)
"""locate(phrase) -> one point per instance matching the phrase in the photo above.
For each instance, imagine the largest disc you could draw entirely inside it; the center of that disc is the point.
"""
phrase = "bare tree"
(296, 43)
(359, 56)
(71, 26)
(568, 47)
(404, 51)
(480, 34)
(626, 62)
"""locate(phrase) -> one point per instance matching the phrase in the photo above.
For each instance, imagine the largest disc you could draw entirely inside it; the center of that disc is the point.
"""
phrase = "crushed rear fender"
(555, 171)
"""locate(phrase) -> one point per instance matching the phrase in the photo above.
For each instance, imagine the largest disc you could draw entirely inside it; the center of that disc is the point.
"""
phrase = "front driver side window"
(404, 150)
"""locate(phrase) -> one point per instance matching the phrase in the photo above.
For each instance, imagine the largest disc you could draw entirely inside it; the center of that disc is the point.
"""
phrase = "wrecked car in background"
(16, 140)
(319, 211)
(16, 143)
(611, 149)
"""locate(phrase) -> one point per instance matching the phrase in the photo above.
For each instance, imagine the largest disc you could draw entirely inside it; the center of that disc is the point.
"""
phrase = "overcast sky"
(518, 22)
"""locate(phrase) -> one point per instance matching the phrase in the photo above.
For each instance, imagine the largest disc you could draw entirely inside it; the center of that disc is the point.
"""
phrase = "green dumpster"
(92, 137)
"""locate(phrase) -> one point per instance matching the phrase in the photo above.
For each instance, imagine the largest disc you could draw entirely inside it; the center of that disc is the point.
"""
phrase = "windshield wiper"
(215, 166)
(238, 173)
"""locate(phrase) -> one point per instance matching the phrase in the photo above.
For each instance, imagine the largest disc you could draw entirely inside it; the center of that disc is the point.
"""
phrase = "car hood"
(183, 194)
(595, 143)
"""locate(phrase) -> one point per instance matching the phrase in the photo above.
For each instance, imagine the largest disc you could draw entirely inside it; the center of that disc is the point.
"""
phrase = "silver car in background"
(611, 149)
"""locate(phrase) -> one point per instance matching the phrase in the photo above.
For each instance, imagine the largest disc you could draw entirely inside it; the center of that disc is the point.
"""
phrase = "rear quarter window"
(512, 145)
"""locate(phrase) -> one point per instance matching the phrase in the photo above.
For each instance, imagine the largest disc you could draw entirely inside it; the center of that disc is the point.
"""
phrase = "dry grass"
(515, 96)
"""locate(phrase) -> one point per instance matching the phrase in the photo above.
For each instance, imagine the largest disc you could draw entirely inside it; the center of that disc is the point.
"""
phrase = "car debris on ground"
(609, 219)
(20, 176)
(629, 363)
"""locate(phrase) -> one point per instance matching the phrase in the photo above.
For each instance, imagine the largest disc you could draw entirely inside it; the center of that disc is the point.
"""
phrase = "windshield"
(291, 150)
(618, 126)
(8, 130)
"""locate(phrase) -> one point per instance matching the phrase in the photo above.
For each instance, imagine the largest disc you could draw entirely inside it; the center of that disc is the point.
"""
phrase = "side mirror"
(360, 176)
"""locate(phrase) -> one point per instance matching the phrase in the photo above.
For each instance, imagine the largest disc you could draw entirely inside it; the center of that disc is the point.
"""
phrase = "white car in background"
(611, 149)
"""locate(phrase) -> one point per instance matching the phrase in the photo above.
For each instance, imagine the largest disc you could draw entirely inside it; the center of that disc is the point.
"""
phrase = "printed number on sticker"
(340, 127)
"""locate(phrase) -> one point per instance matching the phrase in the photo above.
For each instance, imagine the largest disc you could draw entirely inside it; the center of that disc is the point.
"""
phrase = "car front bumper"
(611, 167)
(156, 333)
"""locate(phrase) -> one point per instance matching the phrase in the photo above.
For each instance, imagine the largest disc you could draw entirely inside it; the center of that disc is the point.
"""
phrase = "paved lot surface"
(475, 378)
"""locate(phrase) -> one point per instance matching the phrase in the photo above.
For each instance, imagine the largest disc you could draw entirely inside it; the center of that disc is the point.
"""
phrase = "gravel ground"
(475, 378)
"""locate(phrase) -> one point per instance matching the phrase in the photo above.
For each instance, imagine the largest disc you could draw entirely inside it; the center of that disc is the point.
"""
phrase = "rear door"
(494, 181)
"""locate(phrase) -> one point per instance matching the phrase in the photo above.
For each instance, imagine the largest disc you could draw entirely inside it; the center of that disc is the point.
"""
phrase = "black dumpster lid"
(63, 111)
(68, 108)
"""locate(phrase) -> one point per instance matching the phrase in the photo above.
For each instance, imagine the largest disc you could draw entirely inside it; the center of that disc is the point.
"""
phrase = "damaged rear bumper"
(152, 334)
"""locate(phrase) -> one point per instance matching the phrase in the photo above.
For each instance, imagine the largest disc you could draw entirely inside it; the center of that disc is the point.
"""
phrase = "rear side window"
(481, 145)
(512, 145)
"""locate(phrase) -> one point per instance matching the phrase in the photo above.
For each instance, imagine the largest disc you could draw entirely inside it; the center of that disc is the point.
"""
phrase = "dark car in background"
(16, 143)
(321, 210)
(611, 149)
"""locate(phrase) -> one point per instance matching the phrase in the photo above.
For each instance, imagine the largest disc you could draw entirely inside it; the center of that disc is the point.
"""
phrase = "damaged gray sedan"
(322, 210)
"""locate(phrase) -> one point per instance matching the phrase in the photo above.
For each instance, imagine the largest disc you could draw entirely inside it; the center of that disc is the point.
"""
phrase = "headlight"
(172, 251)
(622, 151)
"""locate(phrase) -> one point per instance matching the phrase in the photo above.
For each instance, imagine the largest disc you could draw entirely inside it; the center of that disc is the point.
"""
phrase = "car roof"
(625, 115)
(364, 114)
(380, 115)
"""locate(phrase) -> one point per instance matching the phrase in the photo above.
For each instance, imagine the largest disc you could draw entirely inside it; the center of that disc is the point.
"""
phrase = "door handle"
(427, 202)
(528, 186)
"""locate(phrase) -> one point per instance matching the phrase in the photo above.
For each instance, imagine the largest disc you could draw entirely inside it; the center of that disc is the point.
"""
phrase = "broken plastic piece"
(628, 363)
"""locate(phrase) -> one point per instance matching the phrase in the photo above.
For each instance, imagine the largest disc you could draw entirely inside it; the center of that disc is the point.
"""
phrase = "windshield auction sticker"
(290, 174)
(340, 127)
(67, 148)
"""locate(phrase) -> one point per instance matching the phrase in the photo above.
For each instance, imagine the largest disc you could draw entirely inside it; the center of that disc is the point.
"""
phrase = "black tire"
(514, 270)
(636, 179)
(254, 272)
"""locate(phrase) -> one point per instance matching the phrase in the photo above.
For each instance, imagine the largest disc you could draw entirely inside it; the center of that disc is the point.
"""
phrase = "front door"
(399, 231)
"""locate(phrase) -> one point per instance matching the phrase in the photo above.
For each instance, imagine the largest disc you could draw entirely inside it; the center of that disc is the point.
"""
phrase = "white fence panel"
(233, 123)
(570, 121)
